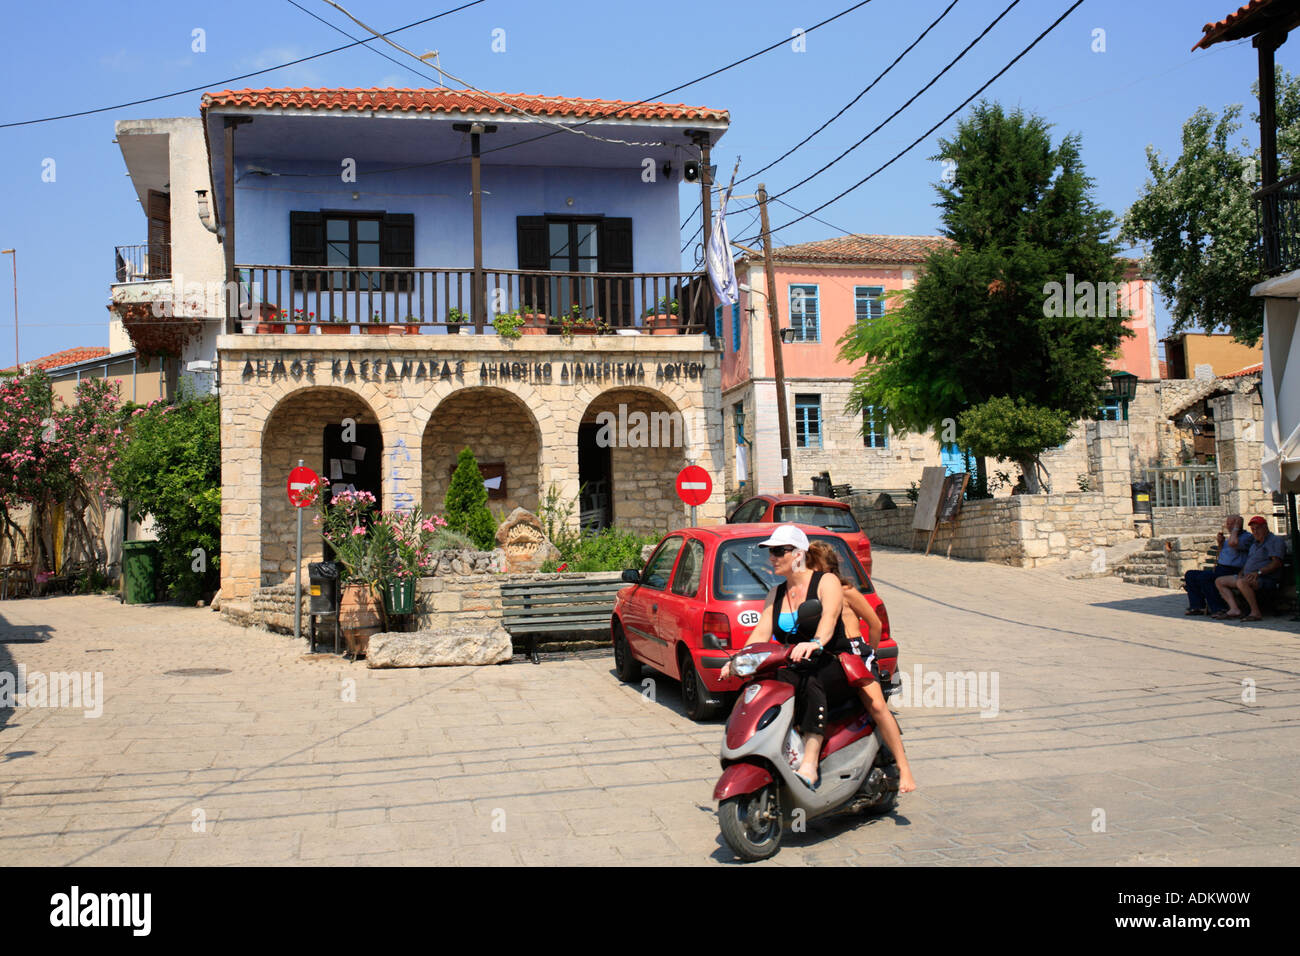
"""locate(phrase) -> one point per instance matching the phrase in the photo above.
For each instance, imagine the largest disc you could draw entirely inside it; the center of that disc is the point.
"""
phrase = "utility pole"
(778, 361)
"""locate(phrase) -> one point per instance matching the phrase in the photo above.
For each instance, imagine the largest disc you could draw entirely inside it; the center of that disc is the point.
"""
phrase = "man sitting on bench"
(1262, 572)
(1234, 545)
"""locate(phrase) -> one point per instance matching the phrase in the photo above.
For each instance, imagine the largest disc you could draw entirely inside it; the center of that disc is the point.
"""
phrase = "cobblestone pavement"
(1124, 733)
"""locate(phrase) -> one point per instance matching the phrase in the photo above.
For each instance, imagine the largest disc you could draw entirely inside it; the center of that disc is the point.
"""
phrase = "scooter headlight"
(746, 664)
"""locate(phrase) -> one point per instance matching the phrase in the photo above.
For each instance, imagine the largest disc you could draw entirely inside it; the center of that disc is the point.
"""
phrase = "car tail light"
(717, 630)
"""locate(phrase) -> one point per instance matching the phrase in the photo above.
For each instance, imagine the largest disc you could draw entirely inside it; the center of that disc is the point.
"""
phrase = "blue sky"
(1139, 90)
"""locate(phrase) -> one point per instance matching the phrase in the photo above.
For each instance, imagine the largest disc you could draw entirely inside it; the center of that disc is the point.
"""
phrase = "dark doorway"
(364, 473)
(595, 475)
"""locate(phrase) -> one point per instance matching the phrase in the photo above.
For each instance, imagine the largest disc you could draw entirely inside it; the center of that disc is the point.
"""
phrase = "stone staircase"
(1164, 560)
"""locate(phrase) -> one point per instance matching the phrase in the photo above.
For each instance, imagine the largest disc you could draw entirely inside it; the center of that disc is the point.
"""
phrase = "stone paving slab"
(1121, 736)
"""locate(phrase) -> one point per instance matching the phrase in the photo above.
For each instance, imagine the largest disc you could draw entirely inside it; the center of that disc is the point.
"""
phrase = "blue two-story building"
(411, 272)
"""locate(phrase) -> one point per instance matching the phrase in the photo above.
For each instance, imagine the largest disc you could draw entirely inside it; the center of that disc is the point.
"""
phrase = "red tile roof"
(863, 248)
(1248, 370)
(441, 100)
(66, 357)
(1247, 21)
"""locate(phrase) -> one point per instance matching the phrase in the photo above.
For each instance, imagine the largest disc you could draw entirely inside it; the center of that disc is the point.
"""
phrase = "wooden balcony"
(1278, 217)
(441, 301)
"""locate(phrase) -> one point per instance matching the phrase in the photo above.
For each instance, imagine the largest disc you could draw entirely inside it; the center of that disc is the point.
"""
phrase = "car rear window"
(742, 571)
(823, 516)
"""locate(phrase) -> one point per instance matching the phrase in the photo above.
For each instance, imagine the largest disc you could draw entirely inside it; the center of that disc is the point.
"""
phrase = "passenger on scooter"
(822, 557)
(805, 610)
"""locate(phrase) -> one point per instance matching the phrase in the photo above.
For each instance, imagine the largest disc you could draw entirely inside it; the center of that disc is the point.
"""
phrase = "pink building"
(823, 288)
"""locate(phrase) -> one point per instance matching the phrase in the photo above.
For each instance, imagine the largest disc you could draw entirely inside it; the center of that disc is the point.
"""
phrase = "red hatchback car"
(832, 514)
(696, 602)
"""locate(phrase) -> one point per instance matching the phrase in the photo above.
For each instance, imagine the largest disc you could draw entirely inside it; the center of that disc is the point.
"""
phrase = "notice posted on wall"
(358, 452)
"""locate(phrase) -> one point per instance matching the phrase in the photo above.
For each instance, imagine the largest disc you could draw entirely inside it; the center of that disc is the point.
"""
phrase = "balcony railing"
(1184, 486)
(1277, 213)
(144, 262)
(659, 302)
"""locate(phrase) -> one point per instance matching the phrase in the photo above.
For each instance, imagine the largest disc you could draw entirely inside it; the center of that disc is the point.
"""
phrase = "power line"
(366, 43)
(233, 79)
(907, 149)
(840, 113)
(881, 125)
(623, 109)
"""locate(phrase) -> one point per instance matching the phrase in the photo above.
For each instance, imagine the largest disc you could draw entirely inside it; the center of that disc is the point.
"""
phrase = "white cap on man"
(786, 536)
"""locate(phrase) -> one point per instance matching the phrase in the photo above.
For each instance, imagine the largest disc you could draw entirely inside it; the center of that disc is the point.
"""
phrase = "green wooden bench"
(557, 605)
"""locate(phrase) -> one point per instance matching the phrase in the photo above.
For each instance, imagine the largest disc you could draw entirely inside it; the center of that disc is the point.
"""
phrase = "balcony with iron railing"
(1277, 213)
(340, 300)
(143, 262)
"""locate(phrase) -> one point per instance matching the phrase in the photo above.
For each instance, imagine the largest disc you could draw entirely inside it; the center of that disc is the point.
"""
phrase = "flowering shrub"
(51, 454)
(377, 546)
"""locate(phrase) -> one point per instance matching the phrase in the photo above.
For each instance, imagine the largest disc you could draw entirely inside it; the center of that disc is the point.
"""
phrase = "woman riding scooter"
(805, 611)
(822, 557)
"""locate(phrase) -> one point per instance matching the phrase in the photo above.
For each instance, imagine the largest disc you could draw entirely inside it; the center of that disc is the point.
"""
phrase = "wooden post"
(477, 293)
(778, 360)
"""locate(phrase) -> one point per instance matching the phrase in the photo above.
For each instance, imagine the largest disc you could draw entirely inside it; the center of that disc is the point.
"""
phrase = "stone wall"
(279, 391)
(1238, 444)
(1190, 521)
(1022, 530)
(474, 600)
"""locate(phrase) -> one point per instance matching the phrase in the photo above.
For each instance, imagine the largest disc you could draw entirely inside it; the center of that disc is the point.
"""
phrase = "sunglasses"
(781, 550)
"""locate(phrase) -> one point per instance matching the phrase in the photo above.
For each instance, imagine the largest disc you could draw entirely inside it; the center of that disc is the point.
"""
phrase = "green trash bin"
(139, 570)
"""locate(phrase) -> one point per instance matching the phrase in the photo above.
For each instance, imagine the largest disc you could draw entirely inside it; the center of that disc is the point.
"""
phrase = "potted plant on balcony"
(302, 320)
(336, 327)
(377, 326)
(663, 318)
(412, 326)
(270, 320)
(455, 319)
(575, 323)
(508, 325)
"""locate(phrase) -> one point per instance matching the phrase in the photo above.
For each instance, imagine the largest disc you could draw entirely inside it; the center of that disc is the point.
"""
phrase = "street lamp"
(14, 253)
(1125, 386)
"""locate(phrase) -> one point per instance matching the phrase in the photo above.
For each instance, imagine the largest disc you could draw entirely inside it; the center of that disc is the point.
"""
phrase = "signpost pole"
(693, 521)
(297, 577)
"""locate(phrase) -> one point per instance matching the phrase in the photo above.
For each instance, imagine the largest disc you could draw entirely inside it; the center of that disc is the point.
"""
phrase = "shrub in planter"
(465, 506)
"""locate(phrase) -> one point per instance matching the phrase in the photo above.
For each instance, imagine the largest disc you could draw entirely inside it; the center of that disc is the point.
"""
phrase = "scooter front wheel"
(751, 823)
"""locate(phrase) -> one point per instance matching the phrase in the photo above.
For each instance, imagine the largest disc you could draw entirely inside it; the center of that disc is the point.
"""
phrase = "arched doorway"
(503, 435)
(632, 442)
(335, 433)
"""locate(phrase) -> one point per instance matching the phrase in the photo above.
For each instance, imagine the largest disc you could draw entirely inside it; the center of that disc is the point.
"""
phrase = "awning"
(1281, 394)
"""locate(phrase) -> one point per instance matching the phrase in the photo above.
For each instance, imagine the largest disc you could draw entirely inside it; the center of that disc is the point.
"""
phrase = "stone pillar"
(1109, 465)
(1238, 447)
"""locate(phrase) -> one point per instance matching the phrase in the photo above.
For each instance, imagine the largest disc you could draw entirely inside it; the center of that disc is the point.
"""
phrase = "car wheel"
(751, 823)
(695, 698)
(626, 666)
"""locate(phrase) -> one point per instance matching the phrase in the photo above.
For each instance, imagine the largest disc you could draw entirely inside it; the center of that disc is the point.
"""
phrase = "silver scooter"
(758, 792)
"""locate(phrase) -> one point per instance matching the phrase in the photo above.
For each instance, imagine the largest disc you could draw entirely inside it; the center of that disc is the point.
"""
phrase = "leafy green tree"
(170, 469)
(1010, 428)
(1197, 223)
(465, 505)
(980, 322)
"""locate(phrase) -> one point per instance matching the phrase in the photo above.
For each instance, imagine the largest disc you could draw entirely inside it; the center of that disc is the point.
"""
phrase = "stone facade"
(1239, 447)
(278, 392)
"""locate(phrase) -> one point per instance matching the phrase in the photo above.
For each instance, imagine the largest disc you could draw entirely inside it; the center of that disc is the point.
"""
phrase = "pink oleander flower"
(358, 530)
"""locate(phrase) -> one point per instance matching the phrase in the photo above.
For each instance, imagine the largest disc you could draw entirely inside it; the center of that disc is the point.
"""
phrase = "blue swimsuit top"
(786, 621)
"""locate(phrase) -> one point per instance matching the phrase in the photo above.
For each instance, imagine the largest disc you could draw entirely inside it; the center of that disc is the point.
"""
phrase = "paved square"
(1124, 733)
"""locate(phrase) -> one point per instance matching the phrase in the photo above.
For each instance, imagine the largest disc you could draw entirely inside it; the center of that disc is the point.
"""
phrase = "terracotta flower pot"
(270, 328)
(662, 324)
(359, 617)
(302, 329)
(534, 324)
(384, 329)
(412, 330)
(335, 328)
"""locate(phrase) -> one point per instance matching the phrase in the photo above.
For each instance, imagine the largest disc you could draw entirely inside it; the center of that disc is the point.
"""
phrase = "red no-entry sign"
(304, 486)
(694, 485)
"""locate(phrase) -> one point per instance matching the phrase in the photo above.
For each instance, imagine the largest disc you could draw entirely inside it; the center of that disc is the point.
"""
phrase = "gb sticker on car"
(747, 618)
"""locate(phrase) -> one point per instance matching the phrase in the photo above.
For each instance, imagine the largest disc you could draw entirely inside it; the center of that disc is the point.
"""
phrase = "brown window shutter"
(397, 247)
(614, 251)
(534, 256)
(307, 248)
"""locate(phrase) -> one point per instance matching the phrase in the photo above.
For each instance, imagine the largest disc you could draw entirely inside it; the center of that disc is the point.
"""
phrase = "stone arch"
(500, 427)
(649, 440)
(293, 428)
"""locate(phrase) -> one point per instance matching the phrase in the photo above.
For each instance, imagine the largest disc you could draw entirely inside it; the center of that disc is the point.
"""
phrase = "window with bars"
(808, 421)
(875, 433)
(804, 313)
(868, 302)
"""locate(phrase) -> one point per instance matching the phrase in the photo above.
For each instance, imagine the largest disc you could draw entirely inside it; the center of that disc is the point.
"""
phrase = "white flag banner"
(717, 256)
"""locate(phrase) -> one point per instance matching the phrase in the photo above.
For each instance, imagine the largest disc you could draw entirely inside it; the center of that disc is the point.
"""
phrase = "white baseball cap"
(786, 535)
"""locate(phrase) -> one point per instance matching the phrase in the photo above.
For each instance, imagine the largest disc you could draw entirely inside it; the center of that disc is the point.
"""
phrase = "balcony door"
(576, 245)
(160, 235)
